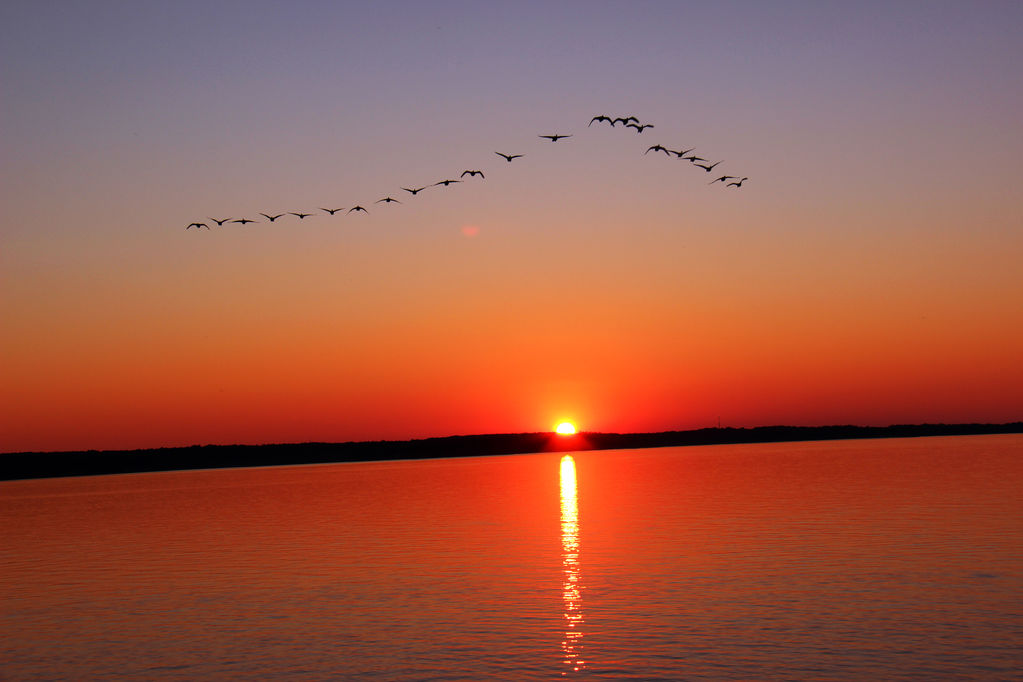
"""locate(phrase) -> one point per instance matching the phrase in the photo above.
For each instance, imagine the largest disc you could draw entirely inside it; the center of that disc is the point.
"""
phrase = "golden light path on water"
(571, 645)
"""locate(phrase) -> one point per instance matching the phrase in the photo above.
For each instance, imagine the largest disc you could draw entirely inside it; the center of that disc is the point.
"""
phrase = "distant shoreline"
(22, 465)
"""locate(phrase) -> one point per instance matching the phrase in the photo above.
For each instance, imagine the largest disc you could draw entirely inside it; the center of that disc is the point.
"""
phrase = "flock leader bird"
(625, 121)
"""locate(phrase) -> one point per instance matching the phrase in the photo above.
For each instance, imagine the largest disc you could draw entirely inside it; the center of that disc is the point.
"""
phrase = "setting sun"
(565, 428)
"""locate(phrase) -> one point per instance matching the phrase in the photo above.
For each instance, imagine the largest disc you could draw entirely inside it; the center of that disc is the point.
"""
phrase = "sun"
(565, 428)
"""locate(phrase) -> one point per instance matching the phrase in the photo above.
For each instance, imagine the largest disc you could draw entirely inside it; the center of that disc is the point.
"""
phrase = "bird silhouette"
(445, 182)
(625, 121)
(357, 208)
(723, 178)
(694, 158)
(509, 157)
(271, 218)
(243, 221)
(220, 223)
(737, 184)
(387, 200)
(639, 128)
(600, 118)
(414, 192)
(472, 173)
(554, 138)
(658, 148)
(197, 226)
(683, 153)
(706, 168)
(332, 211)
(302, 216)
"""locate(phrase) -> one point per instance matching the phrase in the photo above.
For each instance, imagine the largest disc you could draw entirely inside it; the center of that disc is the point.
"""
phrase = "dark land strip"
(20, 465)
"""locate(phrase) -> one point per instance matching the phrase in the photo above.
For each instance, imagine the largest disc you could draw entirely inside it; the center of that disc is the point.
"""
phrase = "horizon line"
(28, 465)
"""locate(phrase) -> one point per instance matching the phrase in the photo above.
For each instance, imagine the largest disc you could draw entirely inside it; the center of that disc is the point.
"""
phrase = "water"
(892, 559)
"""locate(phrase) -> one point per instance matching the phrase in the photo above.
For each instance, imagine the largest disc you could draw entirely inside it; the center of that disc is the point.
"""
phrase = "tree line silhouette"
(20, 465)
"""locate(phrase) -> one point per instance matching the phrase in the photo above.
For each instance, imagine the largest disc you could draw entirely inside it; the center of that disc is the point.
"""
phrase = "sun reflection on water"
(571, 645)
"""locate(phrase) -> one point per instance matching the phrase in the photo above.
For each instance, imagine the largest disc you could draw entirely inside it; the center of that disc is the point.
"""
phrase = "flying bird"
(332, 211)
(472, 173)
(723, 178)
(508, 157)
(737, 184)
(625, 121)
(414, 192)
(639, 128)
(302, 216)
(387, 200)
(683, 153)
(554, 138)
(271, 218)
(197, 225)
(445, 182)
(243, 221)
(694, 158)
(357, 208)
(220, 223)
(658, 148)
(600, 118)
(706, 168)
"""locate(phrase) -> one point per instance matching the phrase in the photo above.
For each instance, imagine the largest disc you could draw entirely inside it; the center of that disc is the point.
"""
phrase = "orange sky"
(866, 273)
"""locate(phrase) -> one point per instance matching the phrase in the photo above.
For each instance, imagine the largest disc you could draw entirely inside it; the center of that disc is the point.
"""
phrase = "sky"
(868, 272)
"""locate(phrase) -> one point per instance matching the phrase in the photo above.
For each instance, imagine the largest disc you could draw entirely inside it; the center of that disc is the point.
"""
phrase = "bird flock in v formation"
(626, 121)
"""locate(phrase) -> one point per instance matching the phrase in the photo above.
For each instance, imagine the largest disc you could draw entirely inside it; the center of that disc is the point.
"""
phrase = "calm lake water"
(886, 559)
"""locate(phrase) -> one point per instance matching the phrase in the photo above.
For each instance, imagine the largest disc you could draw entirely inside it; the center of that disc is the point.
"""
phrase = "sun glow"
(565, 428)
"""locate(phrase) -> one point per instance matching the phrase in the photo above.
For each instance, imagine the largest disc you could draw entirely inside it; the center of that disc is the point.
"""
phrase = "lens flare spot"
(470, 230)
